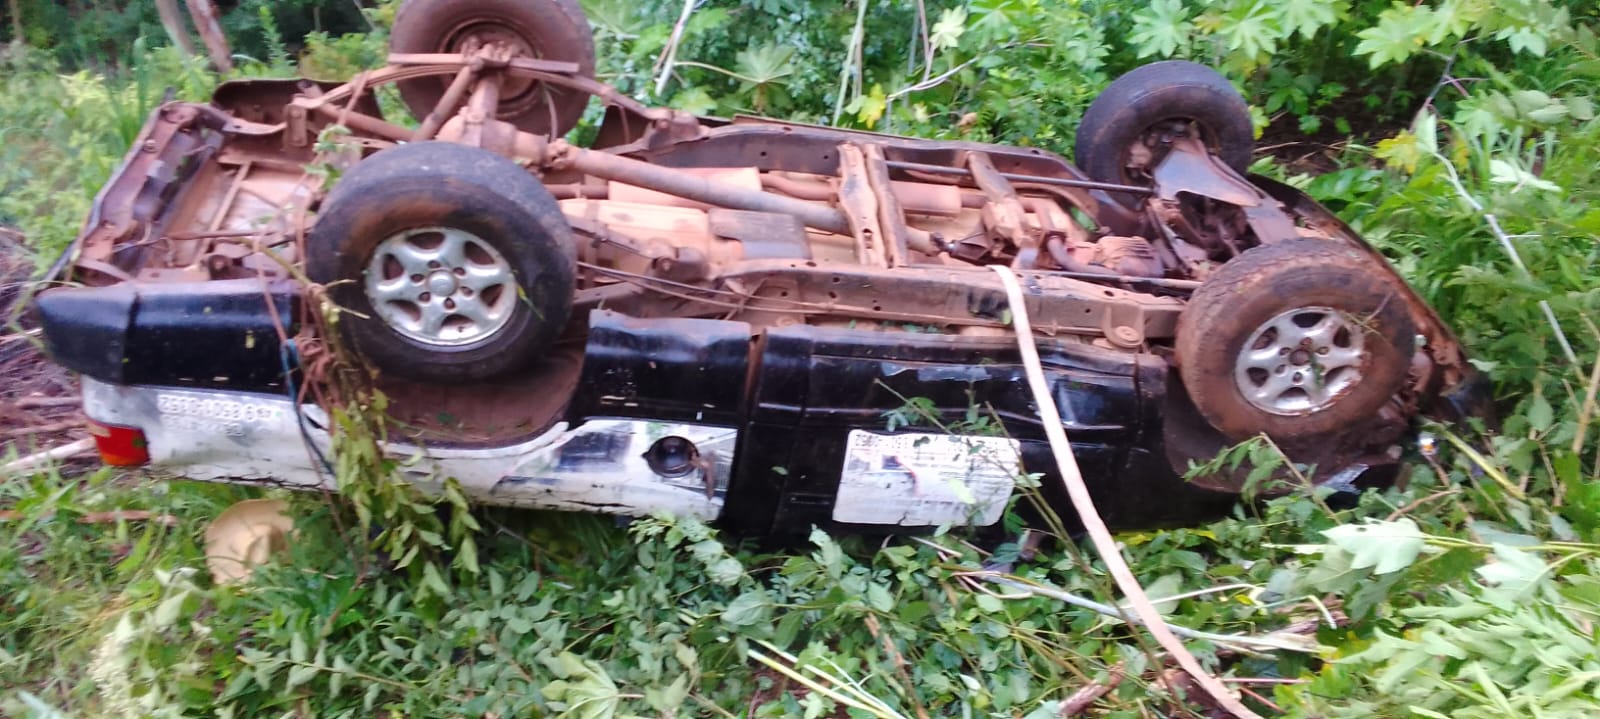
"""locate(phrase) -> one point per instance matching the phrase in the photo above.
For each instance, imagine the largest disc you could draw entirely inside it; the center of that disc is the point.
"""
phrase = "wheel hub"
(440, 286)
(473, 36)
(1301, 361)
(442, 283)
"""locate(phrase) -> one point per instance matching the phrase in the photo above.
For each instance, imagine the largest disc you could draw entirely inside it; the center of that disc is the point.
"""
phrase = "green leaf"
(1395, 38)
(167, 611)
(726, 571)
(747, 609)
(706, 18)
(769, 64)
(695, 101)
(1504, 172)
(789, 628)
(869, 108)
(1404, 151)
(879, 598)
(1162, 28)
(1540, 415)
(1525, 39)
(948, 29)
(336, 677)
(1513, 570)
(433, 581)
(828, 553)
(1252, 29)
(299, 675)
(1385, 546)
(585, 692)
(1306, 17)
(467, 555)
(1426, 128)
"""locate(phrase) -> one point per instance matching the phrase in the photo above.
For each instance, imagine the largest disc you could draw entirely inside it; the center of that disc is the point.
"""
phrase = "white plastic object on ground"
(1083, 504)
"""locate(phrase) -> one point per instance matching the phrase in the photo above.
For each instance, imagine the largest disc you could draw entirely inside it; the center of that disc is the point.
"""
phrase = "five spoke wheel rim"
(440, 286)
(1301, 361)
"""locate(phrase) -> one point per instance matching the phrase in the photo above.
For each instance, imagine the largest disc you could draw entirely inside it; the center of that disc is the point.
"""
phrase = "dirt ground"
(39, 407)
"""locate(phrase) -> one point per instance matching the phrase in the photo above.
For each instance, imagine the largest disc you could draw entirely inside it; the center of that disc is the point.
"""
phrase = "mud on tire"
(543, 29)
(1297, 339)
(460, 263)
(1151, 95)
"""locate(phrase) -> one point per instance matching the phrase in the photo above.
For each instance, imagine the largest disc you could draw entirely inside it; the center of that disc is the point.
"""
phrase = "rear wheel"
(1296, 339)
(1128, 128)
(459, 262)
(542, 29)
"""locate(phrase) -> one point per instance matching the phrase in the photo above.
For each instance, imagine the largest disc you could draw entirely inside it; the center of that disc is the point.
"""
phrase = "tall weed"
(65, 132)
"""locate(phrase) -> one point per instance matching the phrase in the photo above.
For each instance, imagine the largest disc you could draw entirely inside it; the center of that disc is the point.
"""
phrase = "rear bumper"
(217, 333)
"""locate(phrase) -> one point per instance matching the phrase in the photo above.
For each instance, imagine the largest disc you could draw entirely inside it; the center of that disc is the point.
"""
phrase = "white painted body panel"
(247, 438)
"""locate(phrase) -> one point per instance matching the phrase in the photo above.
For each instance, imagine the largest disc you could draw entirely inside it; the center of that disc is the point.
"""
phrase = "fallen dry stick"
(1087, 696)
(19, 336)
(50, 455)
(41, 429)
(116, 515)
(38, 402)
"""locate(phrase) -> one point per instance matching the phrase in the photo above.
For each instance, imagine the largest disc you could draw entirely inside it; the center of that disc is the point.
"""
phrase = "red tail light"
(120, 446)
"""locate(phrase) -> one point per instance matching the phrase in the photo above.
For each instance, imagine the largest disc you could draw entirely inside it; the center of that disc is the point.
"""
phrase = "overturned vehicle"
(714, 317)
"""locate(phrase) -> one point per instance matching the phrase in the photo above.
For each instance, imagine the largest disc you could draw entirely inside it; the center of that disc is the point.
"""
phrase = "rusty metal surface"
(665, 179)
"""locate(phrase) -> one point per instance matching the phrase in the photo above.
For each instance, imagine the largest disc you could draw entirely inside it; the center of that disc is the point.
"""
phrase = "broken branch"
(669, 56)
(1087, 696)
(205, 20)
(41, 429)
(38, 402)
(50, 455)
(115, 515)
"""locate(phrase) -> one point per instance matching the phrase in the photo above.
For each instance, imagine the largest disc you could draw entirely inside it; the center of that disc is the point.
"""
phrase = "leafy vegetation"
(1467, 592)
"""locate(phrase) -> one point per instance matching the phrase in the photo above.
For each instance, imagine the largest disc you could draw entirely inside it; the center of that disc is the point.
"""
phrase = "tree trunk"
(205, 20)
(16, 22)
(172, 20)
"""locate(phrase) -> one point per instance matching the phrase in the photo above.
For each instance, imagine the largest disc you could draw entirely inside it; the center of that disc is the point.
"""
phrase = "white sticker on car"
(916, 480)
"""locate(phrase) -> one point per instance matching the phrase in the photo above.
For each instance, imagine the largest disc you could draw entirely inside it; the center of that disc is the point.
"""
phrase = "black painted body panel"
(684, 370)
(795, 393)
(213, 333)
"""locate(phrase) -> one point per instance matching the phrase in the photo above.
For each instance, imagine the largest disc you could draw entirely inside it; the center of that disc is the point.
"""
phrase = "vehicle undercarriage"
(500, 279)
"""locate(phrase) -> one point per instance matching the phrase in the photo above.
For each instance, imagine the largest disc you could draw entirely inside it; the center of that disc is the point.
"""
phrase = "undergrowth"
(1469, 591)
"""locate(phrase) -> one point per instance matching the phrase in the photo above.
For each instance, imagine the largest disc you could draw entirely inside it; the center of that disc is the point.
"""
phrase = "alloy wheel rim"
(440, 286)
(1301, 361)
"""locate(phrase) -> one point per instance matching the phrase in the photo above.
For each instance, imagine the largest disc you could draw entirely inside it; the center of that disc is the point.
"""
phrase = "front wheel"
(458, 262)
(1296, 339)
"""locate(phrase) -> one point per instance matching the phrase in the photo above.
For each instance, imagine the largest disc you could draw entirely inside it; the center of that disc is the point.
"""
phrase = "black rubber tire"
(1154, 93)
(439, 184)
(1271, 279)
(553, 29)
